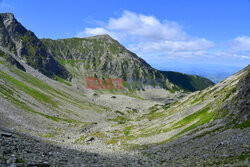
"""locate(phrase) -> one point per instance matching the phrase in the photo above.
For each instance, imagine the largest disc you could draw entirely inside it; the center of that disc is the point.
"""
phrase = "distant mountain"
(188, 82)
(214, 72)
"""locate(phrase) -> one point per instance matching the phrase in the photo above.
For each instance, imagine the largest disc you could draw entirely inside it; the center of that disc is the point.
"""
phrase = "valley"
(48, 116)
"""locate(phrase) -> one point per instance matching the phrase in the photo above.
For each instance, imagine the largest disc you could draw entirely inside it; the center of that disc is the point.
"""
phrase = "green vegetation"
(13, 95)
(80, 140)
(52, 134)
(120, 119)
(201, 117)
(2, 62)
(244, 124)
(112, 141)
(127, 130)
(99, 135)
(62, 81)
(119, 112)
(229, 94)
(219, 114)
(188, 82)
(41, 97)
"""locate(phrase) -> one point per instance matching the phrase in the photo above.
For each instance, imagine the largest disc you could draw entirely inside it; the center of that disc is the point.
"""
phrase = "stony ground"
(18, 149)
(230, 148)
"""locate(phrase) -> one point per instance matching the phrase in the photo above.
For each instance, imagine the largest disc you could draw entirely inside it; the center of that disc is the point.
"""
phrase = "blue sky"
(169, 34)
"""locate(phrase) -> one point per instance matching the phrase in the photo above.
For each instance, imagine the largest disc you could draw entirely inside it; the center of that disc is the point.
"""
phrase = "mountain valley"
(48, 117)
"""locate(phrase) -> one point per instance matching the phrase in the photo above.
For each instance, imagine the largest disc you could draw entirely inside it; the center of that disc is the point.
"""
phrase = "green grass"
(204, 119)
(39, 96)
(221, 113)
(120, 119)
(127, 130)
(13, 96)
(229, 94)
(49, 90)
(2, 62)
(80, 140)
(195, 101)
(99, 135)
(119, 112)
(112, 141)
(52, 134)
(244, 124)
(191, 118)
(59, 79)
(22, 105)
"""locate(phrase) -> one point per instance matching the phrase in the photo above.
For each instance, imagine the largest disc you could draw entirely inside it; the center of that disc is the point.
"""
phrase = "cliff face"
(24, 44)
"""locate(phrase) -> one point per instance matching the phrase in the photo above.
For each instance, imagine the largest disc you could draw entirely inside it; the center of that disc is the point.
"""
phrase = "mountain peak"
(103, 36)
(10, 15)
(24, 44)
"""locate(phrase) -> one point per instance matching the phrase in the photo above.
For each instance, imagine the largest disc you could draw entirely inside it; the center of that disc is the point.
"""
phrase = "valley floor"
(230, 148)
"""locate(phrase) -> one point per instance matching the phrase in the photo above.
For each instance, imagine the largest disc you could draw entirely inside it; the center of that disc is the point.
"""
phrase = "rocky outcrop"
(244, 96)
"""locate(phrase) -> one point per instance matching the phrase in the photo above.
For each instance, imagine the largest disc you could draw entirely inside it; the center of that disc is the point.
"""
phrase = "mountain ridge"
(25, 45)
(140, 71)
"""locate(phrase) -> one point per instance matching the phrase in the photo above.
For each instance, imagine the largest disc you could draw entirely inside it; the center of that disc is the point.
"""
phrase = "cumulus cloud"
(147, 27)
(100, 31)
(147, 34)
(173, 46)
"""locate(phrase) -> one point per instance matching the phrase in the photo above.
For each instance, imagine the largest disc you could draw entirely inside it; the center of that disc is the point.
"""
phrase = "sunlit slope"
(213, 110)
(33, 101)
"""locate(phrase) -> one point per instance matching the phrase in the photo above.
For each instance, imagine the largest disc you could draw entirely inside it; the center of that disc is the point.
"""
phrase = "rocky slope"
(103, 57)
(209, 127)
(27, 47)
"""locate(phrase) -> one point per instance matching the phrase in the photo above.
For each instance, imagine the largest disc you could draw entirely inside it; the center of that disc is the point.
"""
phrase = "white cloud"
(100, 31)
(173, 46)
(241, 43)
(147, 34)
(146, 26)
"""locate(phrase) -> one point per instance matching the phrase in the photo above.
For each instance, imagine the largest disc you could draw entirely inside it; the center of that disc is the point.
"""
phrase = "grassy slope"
(170, 122)
(59, 104)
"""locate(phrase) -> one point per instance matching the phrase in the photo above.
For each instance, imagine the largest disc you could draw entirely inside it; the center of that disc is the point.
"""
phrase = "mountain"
(188, 82)
(99, 56)
(104, 57)
(27, 47)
